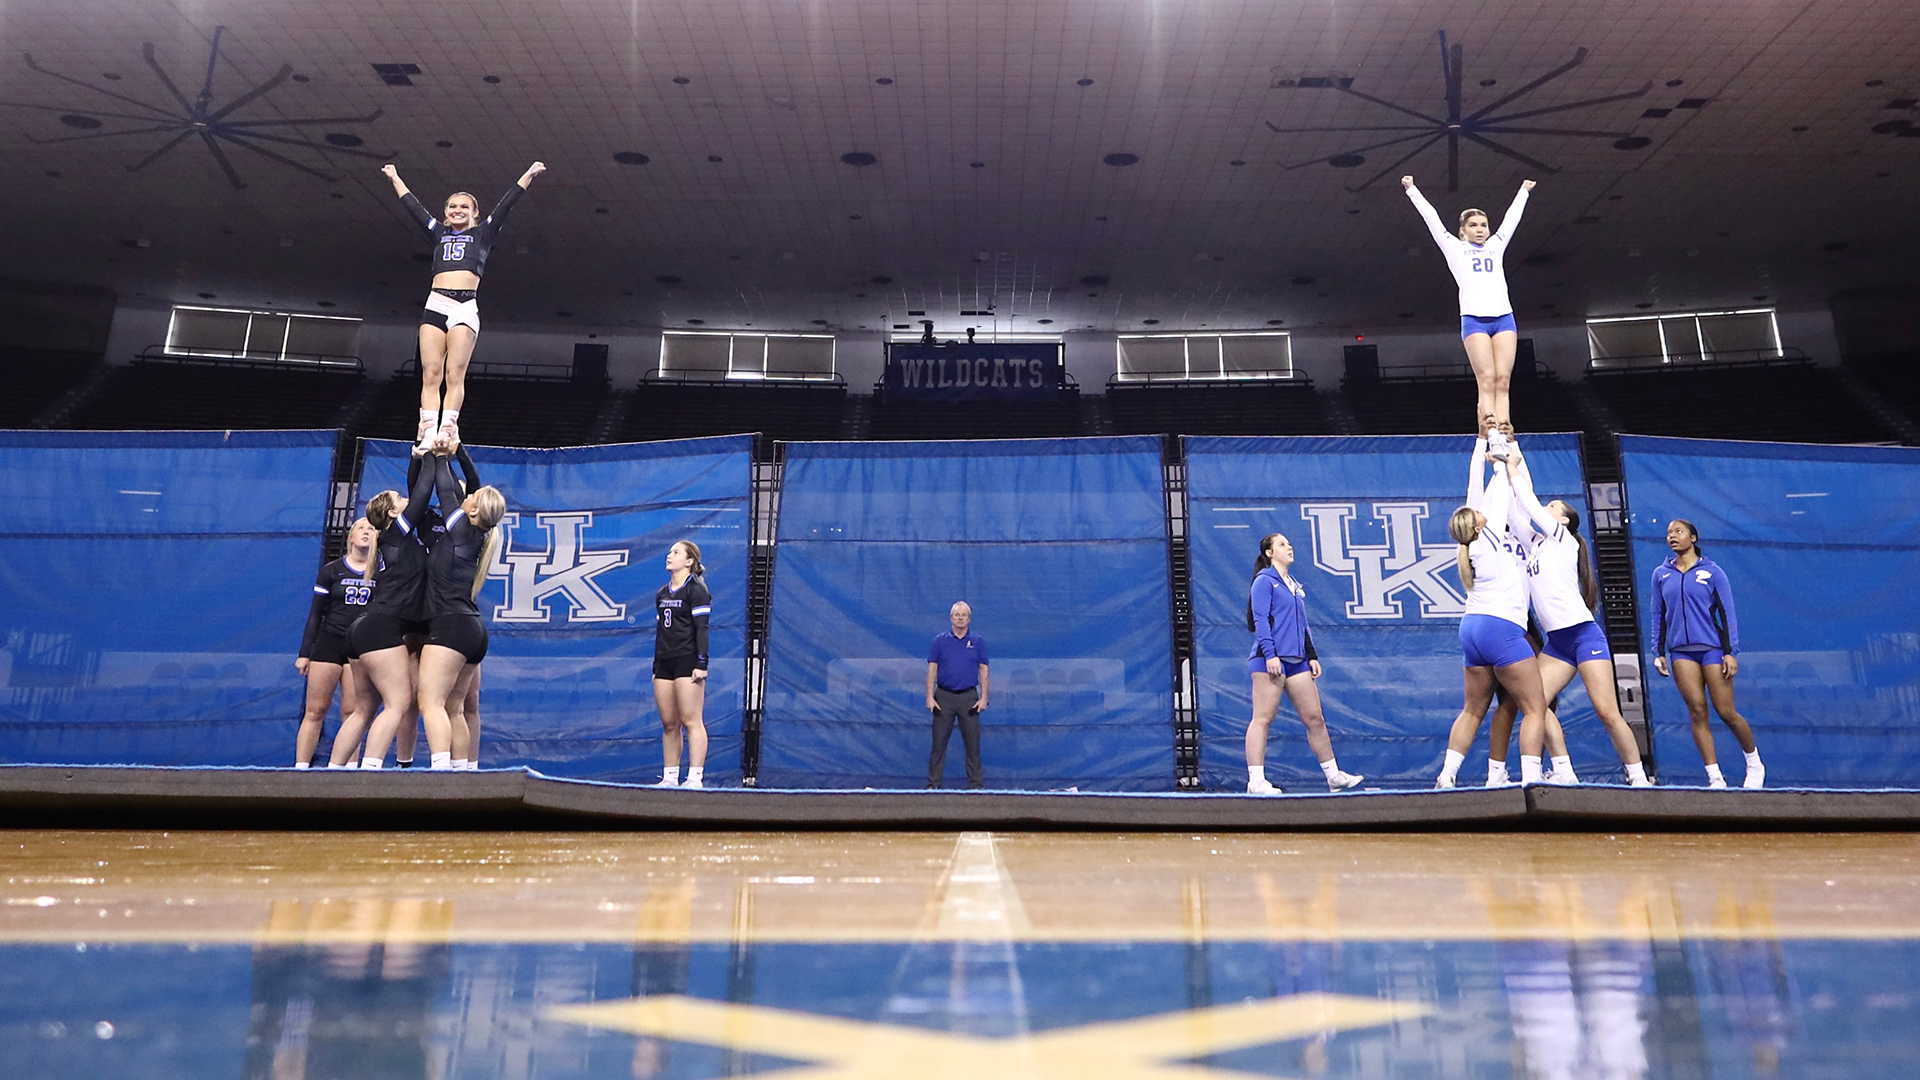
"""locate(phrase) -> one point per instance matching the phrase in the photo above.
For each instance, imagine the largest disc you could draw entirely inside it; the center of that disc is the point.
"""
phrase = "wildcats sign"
(969, 372)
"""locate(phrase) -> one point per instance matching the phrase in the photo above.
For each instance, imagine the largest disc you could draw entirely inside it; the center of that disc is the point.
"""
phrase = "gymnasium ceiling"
(1773, 156)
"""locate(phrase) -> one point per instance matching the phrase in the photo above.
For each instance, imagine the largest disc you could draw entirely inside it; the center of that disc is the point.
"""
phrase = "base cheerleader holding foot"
(1493, 637)
(1699, 646)
(1283, 662)
(450, 323)
(456, 635)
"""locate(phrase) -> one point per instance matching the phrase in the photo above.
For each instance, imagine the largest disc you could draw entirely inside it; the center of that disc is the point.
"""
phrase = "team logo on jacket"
(1383, 575)
(566, 568)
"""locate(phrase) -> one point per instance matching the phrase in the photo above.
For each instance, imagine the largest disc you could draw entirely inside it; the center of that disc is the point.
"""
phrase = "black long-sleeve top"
(403, 546)
(680, 621)
(452, 563)
(463, 250)
(341, 594)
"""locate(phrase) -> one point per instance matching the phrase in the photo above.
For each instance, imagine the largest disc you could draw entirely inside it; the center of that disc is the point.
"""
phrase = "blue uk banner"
(567, 686)
(1368, 520)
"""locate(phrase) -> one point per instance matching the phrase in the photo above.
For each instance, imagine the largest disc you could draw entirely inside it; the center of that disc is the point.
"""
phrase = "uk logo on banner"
(566, 568)
(1382, 575)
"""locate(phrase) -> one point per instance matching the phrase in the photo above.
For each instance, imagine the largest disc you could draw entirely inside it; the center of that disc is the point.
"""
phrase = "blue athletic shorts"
(1703, 657)
(1475, 324)
(1491, 641)
(1578, 644)
(1288, 668)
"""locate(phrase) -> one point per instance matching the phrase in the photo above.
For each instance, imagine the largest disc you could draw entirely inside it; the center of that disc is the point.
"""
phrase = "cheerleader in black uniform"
(456, 635)
(681, 609)
(340, 595)
(451, 320)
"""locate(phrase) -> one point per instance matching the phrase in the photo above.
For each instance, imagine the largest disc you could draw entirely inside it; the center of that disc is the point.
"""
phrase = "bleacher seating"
(897, 419)
(498, 411)
(1444, 405)
(36, 378)
(1896, 376)
(781, 410)
(199, 396)
(1789, 400)
(1241, 407)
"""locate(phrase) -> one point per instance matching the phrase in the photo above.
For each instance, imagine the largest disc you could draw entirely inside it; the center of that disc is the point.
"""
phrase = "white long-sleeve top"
(1479, 269)
(1499, 563)
(1552, 559)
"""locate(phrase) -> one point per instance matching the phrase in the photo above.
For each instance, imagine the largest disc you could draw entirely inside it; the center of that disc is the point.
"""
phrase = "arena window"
(722, 354)
(263, 336)
(1684, 337)
(1251, 354)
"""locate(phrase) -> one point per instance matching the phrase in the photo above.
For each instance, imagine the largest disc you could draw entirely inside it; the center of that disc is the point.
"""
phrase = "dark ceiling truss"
(1474, 127)
(188, 119)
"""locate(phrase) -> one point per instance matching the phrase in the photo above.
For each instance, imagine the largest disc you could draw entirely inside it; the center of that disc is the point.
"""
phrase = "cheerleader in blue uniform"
(1283, 661)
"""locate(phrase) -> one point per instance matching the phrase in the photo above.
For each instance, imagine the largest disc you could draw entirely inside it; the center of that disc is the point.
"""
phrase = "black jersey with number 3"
(680, 626)
(340, 595)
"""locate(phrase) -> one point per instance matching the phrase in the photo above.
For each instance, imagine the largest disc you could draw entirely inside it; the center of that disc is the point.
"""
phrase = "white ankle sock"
(303, 764)
(460, 763)
(1331, 767)
(1496, 772)
(696, 773)
(430, 418)
(367, 763)
(1529, 768)
(331, 765)
(1753, 758)
(1256, 774)
(670, 776)
(1452, 768)
(1563, 768)
(443, 760)
(1636, 771)
(1713, 773)
(472, 765)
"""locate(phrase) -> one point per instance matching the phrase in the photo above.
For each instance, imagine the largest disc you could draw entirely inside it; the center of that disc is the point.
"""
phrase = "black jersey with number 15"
(680, 627)
(463, 250)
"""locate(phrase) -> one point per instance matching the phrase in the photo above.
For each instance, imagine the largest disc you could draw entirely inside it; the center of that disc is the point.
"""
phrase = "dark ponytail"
(1589, 587)
(1261, 560)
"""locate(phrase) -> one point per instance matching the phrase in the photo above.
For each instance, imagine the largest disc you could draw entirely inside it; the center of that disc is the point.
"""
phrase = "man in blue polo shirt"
(957, 690)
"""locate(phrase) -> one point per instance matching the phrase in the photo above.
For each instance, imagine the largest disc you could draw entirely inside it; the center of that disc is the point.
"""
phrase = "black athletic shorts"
(674, 667)
(329, 649)
(464, 634)
(377, 630)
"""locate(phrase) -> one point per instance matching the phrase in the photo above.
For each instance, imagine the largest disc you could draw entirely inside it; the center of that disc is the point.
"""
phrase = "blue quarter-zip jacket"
(1694, 609)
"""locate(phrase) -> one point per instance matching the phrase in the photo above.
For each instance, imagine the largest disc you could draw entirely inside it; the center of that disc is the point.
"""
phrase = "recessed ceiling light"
(858, 158)
(976, 164)
(1643, 307)
(1346, 161)
(1083, 82)
(296, 78)
(600, 210)
(819, 322)
(1150, 322)
(853, 217)
(884, 81)
(1275, 322)
(444, 144)
(341, 138)
(1760, 296)
(1236, 163)
(84, 123)
(116, 78)
(326, 303)
(1676, 82)
(1046, 322)
(681, 80)
(1121, 160)
(1489, 82)
(205, 295)
(715, 158)
(1633, 142)
(630, 157)
(1095, 281)
(493, 80)
(667, 279)
(696, 322)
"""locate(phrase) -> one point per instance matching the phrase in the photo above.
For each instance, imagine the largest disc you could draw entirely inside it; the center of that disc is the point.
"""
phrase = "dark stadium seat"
(781, 410)
(196, 396)
(1239, 407)
(1896, 376)
(897, 419)
(36, 378)
(1444, 405)
(498, 411)
(1789, 400)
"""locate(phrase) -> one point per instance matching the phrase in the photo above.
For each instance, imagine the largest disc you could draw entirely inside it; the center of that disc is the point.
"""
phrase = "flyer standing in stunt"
(1476, 256)
(451, 320)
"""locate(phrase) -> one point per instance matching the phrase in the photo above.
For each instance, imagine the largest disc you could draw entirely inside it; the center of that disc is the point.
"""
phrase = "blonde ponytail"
(1463, 526)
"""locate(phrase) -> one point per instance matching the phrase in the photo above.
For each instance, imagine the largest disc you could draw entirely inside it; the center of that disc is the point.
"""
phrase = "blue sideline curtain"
(1822, 546)
(153, 588)
(1368, 522)
(567, 687)
(1059, 546)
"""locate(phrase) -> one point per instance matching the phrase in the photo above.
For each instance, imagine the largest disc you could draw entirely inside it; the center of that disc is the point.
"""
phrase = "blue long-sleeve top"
(1693, 608)
(1279, 619)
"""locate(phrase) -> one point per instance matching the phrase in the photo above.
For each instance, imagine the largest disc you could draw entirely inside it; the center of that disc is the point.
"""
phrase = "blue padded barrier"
(1060, 547)
(153, 588)
(567, 687)
(1822, 547)
(1368, 521)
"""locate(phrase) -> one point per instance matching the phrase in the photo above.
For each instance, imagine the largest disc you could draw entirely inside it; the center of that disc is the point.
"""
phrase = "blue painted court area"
(1732, 1008)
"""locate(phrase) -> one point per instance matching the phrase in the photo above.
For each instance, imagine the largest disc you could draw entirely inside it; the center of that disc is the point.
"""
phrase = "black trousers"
(951, 706)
